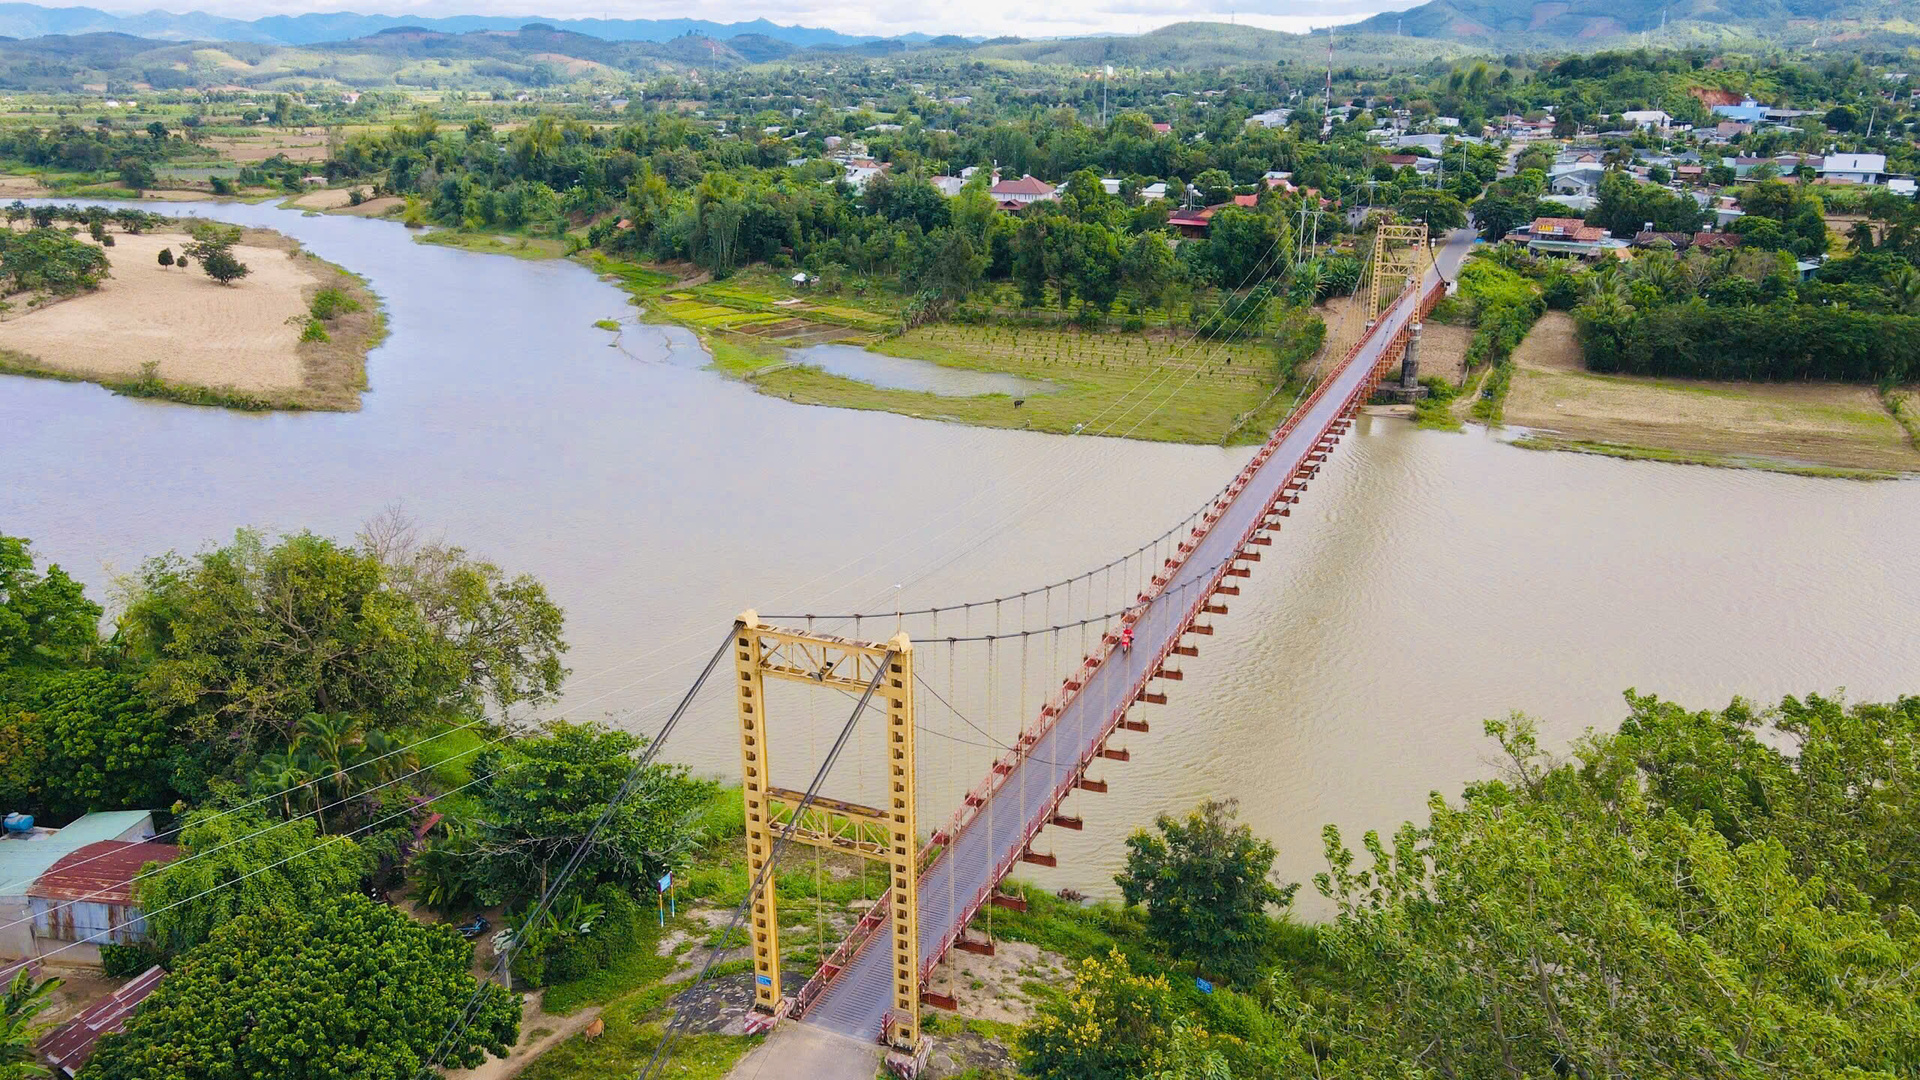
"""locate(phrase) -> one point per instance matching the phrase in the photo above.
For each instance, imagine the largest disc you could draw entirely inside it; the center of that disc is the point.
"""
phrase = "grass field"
(1795, 425)
(486, 243)
(1108, 387)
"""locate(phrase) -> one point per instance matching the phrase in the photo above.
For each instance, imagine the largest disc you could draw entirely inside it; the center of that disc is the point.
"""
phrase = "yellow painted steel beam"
(888, 833)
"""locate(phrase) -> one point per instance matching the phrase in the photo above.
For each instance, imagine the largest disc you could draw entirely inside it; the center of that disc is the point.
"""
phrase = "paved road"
(856, 1002)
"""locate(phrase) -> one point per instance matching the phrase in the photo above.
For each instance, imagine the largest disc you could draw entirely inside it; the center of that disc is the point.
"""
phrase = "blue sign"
(1203, 986)
(666, 882)
(763, 980)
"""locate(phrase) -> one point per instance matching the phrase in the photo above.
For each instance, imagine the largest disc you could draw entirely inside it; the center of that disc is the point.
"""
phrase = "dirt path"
(539, 1031)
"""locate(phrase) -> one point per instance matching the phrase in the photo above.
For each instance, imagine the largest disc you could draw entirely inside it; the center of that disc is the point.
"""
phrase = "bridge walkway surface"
(1023, 791)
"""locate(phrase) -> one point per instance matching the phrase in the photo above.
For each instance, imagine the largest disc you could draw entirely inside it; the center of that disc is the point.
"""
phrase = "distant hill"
(1207, 44)
(32, 20)
(533, 55)
(1585, 23)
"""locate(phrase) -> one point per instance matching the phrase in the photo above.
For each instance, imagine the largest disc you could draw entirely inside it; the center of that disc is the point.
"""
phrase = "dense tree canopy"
(349, 988)
(248, 638)
(1205, 882)
(541, 796)
(235, 863)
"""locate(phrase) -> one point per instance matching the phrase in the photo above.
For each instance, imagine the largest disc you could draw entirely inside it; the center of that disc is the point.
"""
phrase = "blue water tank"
(17, 823)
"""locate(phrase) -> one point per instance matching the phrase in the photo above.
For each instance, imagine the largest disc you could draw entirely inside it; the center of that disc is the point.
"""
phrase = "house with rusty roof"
(66, 1048)
(85, 900)
(28, 854)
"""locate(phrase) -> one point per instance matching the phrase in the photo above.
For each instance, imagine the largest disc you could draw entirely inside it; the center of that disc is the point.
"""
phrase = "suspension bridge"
(871, 988)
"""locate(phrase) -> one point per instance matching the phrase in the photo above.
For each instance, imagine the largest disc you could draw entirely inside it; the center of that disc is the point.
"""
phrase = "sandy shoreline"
(242, 342)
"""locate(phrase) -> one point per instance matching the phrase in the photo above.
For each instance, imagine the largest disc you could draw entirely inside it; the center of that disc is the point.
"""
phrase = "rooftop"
(1026, 185)
(24, 859)
(68, 1046)
(102, 872)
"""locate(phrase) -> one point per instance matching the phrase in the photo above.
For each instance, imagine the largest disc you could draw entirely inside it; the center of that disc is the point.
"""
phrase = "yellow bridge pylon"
(1399, 255)
(882, 834)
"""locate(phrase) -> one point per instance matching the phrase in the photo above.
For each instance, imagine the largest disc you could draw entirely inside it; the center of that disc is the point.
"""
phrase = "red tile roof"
(1163, 129)
(100, 873)
(1026, 185)
(1246, 200)
(68, 1046)
(1572, 229)
(1708, 240)
(1402, 159)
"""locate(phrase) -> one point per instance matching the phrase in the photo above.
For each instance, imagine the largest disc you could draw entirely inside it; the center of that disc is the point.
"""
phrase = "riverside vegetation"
(291, 331)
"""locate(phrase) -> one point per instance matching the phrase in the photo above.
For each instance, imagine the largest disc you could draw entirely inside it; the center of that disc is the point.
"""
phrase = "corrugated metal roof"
(23, 860)
(68, 1046)
(100, 873)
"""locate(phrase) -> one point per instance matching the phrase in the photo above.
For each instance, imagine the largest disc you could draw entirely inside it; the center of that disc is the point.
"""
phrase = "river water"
(1429, 580)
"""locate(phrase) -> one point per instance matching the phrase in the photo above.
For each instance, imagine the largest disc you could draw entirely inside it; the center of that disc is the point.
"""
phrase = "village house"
(1648, 119)
(70, 889)
(1853, 168)
(1564, 236)
(1021, 192)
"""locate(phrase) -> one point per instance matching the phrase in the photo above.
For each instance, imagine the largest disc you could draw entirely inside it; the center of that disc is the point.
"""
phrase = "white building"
(1854, 168)
(1648, 119)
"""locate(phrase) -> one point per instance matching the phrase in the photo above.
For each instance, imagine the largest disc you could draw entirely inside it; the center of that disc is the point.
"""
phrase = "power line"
(677, 1024)
(503, 962)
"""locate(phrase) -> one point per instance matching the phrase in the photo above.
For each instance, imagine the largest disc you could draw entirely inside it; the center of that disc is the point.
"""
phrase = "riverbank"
(1821, 429)
(164, 332)
(1153, 384)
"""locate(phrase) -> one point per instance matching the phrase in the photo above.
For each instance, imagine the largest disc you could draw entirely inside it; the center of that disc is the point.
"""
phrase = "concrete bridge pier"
(1408, 390)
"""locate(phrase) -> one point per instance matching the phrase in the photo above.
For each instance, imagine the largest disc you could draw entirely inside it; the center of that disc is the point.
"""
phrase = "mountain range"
(1592, 22)
(32, 20)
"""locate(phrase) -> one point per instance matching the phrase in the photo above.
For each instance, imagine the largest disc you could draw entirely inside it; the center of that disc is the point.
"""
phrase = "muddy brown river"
(1428, 582)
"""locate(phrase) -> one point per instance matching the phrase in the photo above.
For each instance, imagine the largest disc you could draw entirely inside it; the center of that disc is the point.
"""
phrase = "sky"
(1052, 18)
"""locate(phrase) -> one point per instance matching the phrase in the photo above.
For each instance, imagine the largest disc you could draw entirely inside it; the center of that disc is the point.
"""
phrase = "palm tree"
(23, 1001)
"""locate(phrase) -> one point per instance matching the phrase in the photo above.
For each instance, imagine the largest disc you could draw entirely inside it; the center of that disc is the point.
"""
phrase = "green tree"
(78, 740)
(1111, 1024)
(1495, 214)
(222, 267)
(351, 989)
(44, 617)
(541, 796)
(1567, 918)
(20, 1007)
(238, 863)
(1243, 247)
(253, 636)
(1441, 210)
(1206, 885)
(1146, 270)
(212, 246)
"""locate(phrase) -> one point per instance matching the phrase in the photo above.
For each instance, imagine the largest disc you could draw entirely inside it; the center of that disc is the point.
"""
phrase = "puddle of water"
(901, 373)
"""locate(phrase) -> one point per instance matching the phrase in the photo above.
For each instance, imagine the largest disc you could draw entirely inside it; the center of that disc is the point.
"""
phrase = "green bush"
(331, 303)
(315, 331)
(126, 961)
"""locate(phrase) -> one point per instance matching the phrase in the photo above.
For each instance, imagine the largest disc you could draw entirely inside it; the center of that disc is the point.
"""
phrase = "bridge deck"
(1024, 790)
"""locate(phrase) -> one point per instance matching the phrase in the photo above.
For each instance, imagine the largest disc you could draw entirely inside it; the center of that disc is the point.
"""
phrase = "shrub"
(330, 303)
(315, 331)
(126, 961)
(166, 256)
(355, 197)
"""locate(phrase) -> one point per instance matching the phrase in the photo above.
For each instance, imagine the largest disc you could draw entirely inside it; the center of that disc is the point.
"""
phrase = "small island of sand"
(164, 331)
